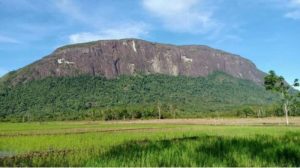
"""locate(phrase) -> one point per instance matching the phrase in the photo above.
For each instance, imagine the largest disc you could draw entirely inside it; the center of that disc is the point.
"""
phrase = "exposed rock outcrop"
(110, 58)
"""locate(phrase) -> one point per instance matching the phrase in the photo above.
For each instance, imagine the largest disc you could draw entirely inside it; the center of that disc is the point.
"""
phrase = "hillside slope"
(111, 58)
(140, 96)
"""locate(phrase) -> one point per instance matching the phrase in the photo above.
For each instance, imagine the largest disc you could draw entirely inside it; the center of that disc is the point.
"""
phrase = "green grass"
(102, 144)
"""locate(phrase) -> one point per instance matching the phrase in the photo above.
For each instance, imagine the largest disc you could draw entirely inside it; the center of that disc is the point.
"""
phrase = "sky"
(265, 31)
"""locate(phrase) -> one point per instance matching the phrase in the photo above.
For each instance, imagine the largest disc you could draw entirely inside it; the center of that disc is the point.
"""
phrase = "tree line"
(134, 97)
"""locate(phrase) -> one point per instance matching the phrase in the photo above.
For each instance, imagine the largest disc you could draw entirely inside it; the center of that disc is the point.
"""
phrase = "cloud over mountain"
(192, 16)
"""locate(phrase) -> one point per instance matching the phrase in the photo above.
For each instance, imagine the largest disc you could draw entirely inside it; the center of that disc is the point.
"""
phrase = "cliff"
(111, 58)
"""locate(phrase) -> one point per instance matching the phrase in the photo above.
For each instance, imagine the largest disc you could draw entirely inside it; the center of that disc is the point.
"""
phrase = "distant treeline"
(135, 97)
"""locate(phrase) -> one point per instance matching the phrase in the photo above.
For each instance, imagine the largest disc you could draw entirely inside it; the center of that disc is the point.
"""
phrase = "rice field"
(221, 142)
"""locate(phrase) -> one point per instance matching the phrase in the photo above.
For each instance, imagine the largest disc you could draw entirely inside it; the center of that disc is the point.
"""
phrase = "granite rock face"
(110, 58)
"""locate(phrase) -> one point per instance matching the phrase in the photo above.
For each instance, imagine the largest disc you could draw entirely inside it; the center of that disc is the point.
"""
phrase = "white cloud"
(294, 3)
(229, 38)
(5, 39)
(84, 37)
(293, 15)
(294, 9)
(79, 12)
(71, 9)
(290, 8)
(297, 88)
(99, 28)
(136, 30)
(191, 16)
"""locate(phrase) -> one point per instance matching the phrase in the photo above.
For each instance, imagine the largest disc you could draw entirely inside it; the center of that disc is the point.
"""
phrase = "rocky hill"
(111, 58)
(131, 78)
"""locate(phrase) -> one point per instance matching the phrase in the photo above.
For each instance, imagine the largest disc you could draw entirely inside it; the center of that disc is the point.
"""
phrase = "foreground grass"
(104, 144)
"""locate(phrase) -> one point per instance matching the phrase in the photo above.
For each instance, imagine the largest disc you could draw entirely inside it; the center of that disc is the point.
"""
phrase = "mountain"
(111, 58)
(131, 78)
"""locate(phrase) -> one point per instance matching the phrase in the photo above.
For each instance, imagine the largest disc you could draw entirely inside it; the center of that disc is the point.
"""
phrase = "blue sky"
(264, 31)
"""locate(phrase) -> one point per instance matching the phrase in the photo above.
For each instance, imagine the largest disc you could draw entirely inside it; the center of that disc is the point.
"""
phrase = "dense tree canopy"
(129, 97)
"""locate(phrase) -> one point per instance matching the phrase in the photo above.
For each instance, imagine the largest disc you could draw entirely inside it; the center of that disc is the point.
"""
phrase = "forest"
(136, 97)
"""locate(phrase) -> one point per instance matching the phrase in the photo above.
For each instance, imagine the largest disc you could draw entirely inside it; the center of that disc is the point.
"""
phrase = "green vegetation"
(103, 144)
(278, 84)
(140, 96)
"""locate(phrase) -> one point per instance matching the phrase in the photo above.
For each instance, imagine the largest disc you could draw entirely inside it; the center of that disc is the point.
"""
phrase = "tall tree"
(277, 84)
(158, 107)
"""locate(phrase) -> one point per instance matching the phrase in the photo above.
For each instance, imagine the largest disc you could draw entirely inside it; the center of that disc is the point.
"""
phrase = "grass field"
(210, 142)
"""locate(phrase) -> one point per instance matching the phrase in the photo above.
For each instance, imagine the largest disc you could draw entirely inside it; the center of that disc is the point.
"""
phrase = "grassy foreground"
(147, 144)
